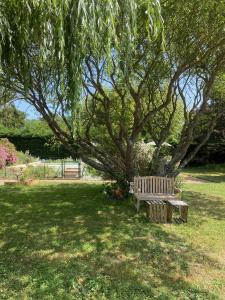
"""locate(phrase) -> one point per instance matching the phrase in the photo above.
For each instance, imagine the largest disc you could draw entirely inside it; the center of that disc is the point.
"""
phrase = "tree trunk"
(129, 162)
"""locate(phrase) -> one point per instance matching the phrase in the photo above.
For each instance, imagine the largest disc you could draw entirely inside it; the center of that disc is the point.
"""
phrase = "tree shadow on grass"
(68, 242)
(205, 205)
(213, 178)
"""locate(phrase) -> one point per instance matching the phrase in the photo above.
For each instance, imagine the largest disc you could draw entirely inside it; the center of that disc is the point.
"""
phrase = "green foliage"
(5, 142)
(11, 117)
(123, 111)
(116, 190)
(65, 31)
(216, 106)
(89, 171)
(218, 91)
(25, 157)
(143, 157)
(35, 136)
(179, 182)
(32, 128)
(41, 147)
(213, 150)
(38, 172)
(98, 130)
(195, 30)
(110, 190)
(6, 95)
(35, 128)
(153, 128)
(111, 52)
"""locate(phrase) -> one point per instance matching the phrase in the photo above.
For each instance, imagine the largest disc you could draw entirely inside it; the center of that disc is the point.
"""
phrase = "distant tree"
(217, 99)
(6, 95)
(35, 127)
(11, 117)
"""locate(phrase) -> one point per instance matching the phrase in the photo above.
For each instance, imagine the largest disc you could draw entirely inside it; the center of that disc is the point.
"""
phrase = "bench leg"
(184, 213)
(169, 212)
(138, 205)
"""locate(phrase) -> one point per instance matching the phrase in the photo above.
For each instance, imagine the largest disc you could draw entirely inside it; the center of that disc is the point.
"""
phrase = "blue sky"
(31, 113)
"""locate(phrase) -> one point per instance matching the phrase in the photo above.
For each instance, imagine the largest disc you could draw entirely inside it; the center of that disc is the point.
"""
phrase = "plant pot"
(118, 194)
(29, 182)
(11, 183)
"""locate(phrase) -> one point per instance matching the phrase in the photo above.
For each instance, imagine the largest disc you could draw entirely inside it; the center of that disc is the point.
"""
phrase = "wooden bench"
(153, 188)
(72, 173)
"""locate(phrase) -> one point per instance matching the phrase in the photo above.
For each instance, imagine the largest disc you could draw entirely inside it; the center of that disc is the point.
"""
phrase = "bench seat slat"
(155, 196)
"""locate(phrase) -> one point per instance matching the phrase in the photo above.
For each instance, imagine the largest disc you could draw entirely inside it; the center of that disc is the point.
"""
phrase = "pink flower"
(3, 156)
(7, 153)
(11, 158)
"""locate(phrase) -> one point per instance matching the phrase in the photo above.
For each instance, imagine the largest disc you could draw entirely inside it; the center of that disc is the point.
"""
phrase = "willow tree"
(65, 32)
(102, 72)
(47, 46)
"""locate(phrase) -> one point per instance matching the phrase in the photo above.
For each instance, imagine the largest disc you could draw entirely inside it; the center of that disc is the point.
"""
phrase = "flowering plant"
(7, 153)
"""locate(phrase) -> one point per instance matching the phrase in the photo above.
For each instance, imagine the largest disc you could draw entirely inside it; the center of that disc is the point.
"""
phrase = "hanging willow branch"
(67, 31)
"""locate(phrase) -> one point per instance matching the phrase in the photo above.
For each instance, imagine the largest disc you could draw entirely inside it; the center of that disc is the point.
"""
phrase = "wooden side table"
(181, 205)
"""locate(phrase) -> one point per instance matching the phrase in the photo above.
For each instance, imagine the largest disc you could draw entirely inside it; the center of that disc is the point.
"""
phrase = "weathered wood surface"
(167, 197)
(181, 206)
(11, 182)
(153, 188)
(72, 173)
(157, 211)
(177, 203)
(153, 185)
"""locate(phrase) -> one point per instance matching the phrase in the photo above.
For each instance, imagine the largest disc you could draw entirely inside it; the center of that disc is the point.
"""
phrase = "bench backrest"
(153, 185)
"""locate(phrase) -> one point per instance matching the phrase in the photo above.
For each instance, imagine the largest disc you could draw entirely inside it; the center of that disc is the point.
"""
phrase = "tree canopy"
(64, 32)
(103, 73)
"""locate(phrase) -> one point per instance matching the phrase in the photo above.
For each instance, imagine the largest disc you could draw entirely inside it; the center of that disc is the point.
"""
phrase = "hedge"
(38, 147)
(209, 153)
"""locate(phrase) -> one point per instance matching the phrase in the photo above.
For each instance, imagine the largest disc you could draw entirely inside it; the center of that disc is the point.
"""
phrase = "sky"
(31, 113)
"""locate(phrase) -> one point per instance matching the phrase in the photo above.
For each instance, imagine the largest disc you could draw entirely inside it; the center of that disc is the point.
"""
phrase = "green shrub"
(143, 158)
(24, 158)
(179, 182)
(89, 171)
(38, 172)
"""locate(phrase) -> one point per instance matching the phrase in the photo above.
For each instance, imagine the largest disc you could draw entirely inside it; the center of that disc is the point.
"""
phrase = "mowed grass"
(210, 172)
(214, 174)
(66, 241)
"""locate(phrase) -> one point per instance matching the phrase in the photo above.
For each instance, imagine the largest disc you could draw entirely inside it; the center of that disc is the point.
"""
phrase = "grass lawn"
(211, 172)
(66, 241)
